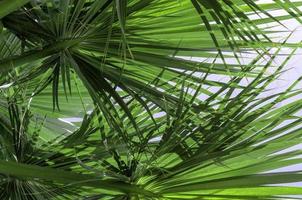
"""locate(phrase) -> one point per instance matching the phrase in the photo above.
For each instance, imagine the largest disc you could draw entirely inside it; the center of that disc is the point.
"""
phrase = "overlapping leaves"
(153, 126)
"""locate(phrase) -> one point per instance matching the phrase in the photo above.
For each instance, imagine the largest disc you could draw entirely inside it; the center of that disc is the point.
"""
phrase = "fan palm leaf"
(151, 123)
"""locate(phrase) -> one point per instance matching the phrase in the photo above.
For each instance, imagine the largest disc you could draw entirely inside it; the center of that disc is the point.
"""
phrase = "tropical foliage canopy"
(147, 99)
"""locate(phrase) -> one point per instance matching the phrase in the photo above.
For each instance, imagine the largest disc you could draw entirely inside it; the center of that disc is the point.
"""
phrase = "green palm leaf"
(113, 99)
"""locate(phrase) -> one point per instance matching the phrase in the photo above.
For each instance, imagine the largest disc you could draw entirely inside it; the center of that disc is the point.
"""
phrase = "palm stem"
(31, 56)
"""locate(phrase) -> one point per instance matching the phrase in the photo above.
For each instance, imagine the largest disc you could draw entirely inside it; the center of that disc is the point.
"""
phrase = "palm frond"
(167, 104)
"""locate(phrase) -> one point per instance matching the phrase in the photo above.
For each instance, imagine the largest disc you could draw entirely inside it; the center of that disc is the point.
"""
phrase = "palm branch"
(153, 126)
